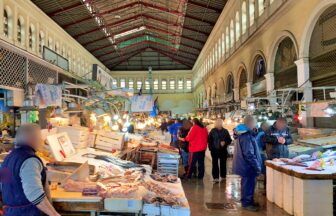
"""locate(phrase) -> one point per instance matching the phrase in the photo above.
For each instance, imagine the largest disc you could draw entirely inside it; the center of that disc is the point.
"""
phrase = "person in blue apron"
(23, 177)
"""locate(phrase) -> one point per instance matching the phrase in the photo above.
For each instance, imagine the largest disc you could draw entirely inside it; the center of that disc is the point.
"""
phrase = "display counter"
(299, 191)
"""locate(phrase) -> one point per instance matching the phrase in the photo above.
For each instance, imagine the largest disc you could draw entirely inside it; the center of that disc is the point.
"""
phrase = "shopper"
(219, 139)
(198, 140)
(173, 129)
(262, 145)
(24, 177)
(277, 139)
(164, 126)
(247, 162)
(183, 144)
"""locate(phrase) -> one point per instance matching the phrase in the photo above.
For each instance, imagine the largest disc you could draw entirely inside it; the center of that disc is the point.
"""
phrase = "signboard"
(142, 103)
(102, 77)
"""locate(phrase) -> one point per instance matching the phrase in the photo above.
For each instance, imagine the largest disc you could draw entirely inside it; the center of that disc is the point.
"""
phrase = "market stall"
(292, 184)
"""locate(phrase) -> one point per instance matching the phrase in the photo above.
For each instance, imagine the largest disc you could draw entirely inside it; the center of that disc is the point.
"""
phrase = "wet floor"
(203, 197)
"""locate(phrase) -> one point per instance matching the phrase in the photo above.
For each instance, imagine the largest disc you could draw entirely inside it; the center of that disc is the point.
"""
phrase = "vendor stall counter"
(299, 191)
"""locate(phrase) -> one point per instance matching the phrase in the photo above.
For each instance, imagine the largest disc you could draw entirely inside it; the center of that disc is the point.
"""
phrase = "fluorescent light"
(129, 32)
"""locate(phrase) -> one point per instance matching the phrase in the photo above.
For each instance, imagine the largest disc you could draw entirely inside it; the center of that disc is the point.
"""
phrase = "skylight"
(129, 32)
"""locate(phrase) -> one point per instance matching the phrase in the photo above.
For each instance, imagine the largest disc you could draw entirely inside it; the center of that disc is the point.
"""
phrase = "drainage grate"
(230, 206)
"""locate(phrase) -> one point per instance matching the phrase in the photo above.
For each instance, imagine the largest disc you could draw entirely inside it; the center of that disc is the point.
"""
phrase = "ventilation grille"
(12, 69)
(38, 73)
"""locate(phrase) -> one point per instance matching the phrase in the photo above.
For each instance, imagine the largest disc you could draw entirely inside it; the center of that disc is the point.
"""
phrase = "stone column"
(236, 94)
(269, 82)
(249, 89)
(304, 83)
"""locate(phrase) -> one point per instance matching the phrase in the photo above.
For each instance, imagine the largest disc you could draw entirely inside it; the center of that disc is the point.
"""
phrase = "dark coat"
(183, 133)
(273, 148)
(216, 136)
(246, 158)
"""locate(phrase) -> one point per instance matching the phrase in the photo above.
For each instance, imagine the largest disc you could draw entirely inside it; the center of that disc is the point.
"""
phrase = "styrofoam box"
(172, 211)
(288, 193)
(123, 205)
(270, 184)
(151, 210)
(313, 197)
(278, 188)
(79, 136)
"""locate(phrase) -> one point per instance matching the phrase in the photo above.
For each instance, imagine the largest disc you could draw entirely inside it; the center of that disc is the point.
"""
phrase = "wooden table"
(74, 202)
(299, 191)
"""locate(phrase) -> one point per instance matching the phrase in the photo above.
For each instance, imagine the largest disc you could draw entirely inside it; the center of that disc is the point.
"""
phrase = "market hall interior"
(134, 100)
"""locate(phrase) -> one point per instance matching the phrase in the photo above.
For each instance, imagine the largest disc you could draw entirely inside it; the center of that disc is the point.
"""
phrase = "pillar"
(304, 83)
(236, 94)
(269, 82)
(249, 89)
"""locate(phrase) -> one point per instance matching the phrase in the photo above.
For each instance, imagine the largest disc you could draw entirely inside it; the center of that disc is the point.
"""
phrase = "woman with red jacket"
(198, 141)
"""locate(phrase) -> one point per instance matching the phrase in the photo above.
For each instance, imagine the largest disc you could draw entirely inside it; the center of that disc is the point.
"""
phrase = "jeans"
(220, 156)
(185, 158)
(248, 184)
(196, 158)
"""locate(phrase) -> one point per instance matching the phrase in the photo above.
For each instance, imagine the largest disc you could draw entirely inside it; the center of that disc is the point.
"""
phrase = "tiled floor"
(201, 192)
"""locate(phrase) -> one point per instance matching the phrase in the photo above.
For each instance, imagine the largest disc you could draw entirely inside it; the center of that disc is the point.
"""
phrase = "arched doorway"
(322, 60)
(285, 70)
(242, 84)
(258, 77)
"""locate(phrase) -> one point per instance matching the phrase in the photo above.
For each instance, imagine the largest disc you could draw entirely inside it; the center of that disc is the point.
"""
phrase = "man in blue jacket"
(277, 139)
(247, 162)
(173, 130)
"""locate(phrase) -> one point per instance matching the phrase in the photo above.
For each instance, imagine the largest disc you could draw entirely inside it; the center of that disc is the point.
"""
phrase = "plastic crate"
(168, 163)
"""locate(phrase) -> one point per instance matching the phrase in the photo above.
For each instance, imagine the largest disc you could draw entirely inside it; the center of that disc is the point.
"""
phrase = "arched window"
(223, 44)
(244, 18)
(227, 40)
(41, 42)
(19, 31)
(230, 84)
(31, 38)
(285, 70)
(164, 84)
(147, 84)
(130, 84)
(232, 34)
(172, 84)
(242, 84)
(237, 26)
(259, 70)
(6, 24)
(50, 42)
(252, 11)
(261, 7)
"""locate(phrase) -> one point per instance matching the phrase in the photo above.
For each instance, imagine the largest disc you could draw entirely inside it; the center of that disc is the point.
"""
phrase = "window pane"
(147, 85)
(188, 84)
(114, 82)
(130, 84)
(139, 84)
(252, 11)
(180, 84)
(164, 84)
(261, 6)
(172, 84)
(244, 18)
(122, 83)
(156, 84)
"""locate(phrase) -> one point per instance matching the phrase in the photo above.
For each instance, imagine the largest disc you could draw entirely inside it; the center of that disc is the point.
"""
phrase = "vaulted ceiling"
(136, 34)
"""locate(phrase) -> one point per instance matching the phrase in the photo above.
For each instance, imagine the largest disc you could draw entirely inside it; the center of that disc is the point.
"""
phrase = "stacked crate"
(168, 163)
(79, 136)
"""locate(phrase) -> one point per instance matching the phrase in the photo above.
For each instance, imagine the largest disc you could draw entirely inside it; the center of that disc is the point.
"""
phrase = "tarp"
(142, 103)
